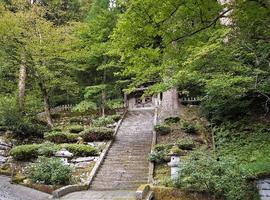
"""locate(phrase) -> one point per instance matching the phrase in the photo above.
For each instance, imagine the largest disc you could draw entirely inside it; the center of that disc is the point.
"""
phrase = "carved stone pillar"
(169, 105)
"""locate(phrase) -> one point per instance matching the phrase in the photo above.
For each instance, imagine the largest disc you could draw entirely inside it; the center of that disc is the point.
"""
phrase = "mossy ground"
(201, 139)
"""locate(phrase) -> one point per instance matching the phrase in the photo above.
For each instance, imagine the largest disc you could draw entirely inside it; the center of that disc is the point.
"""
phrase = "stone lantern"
(175, 161)
(64, 155)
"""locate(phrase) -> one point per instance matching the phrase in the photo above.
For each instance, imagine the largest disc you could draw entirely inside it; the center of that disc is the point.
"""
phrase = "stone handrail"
(190, 99)
(154, 141)
(57, 109)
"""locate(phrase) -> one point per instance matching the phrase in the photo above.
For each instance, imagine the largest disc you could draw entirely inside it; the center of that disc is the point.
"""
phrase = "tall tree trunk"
(46, 102)
(21, 85)
(103, 95)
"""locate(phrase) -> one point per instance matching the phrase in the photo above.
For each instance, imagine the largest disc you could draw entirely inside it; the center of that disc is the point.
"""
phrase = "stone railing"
(58, 109)
(190, 100)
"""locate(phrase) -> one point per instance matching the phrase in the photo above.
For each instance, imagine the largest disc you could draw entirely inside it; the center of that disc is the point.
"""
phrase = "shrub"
(60, 137)
(48, 149)
(55, 136)
(97, 134)
(115, 117)
(170, 120)
(75, 120)
(162, 129)
(72, 137)
(189, 128)
(75, 128)
(80, 149)
(223, 179)
(159, 154)
(49, 171)
(186, 144)
(24, 152)
(103, 121)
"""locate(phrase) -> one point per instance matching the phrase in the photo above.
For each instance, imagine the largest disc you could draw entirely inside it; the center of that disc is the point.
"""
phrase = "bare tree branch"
(203, 28)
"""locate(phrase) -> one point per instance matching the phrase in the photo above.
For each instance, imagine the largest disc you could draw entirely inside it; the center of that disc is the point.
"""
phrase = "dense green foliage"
(247, 143)
(188, 127)
(32, 151)
(75, 128)
(162, 129)
(224, 179)
(50, 171)
(24, 152)
(97, 134)
(60, 137)
(80, 150)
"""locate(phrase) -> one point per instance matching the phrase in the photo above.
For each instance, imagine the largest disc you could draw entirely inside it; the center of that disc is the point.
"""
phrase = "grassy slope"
(247, 141)
(201, 139)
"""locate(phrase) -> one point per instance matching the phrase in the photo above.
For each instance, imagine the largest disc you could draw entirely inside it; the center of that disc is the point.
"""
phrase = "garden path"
(10, 191)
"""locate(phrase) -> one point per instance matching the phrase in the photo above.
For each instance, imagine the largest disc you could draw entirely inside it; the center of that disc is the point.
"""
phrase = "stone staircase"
(126, 164)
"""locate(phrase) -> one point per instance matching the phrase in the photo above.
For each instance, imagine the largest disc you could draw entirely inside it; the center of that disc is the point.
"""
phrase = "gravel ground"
(17, 192)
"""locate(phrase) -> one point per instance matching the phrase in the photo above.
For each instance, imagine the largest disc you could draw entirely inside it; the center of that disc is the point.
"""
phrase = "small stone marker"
(263, 186)
(64, 155)
(175, 162)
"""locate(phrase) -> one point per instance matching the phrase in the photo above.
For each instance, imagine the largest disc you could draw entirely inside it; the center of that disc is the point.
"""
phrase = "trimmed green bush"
(162, 129)
(170, 120)
(24, 152)
(49, 171)
(186, 144)
(72, 137)
(157, 156)
(80, 149)
(55, 136)
(102, 121)
(115, 117)
(160, 153)
(47, 149)
(189, 128)
(75, 128)
(60, 137)
(28, 152)
(97, 134)
(76, 120)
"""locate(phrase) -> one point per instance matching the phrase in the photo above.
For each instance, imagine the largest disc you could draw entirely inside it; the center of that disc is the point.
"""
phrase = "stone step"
(120, 178)
(126, 165)
(140, 176)
(128, 153)
(123, 185)
(135, 162)
(139, 173)
(119, 168)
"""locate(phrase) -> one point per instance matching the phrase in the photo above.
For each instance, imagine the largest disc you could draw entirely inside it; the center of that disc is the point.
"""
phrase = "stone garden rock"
(3, 153)
(82, 165)
(96, 144)
(3, 159)
(5, 144)
(2, 147)
(63, 153)
(83, 159)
